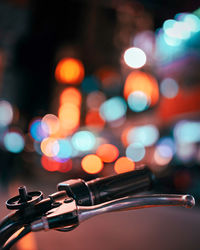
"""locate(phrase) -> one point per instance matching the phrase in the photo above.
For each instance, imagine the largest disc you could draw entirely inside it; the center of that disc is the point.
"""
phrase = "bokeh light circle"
(107, 152)
(138, 101)
(92, 164)
(169, 88)
(50, 147)
(113, 109)
(135, 57)
(50, 124)
(13, 142)
(69, 71)
(124, 164)
(143, 82)
(135, 151)
(36, 130)
(83, 140)
(6, 113)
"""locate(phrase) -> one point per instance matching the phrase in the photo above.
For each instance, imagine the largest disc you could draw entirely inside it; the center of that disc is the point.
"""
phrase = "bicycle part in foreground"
(70, 212)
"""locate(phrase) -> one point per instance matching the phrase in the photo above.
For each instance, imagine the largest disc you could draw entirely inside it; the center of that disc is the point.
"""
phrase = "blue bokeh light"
(113, 109)
(83, 141)
(37, 131)
(14, 142)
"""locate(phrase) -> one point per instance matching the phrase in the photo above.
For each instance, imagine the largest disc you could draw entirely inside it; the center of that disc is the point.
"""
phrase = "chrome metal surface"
(135, 202)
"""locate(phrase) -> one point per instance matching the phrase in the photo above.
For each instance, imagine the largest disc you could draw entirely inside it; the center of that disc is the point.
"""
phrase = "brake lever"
(68, 215)
(136, 202)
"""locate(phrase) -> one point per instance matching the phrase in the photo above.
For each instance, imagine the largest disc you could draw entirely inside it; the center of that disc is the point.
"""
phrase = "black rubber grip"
(117, 186)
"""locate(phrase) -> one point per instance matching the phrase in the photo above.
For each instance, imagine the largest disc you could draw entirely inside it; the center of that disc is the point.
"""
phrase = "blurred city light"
(49, 164)
(107, 152)
(95, 99)
(13, 141)
(138, 101)
(50, 147)
(50, 124)
(186, 152)
(71, 95)
(109, 77)
(94, 120)
(69, 116)
(65, 166)
(37, 131)
(6, 113)
(135, 58)
(65, 149)
(145, 40)
(135, 151)
(143, 82)
(90, 84)
(92, 164)
(124, 164)
(113, 109)
(191, 21)
(147, 135)
(83, 141)
(69, 71)
(169, 87)
(163, 154)
(187, 132)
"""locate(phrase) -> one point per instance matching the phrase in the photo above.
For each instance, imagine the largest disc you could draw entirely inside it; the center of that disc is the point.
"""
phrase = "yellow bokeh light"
(69, 71)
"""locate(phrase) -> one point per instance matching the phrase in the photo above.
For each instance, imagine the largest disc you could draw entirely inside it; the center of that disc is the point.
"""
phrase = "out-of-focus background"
(95, 88)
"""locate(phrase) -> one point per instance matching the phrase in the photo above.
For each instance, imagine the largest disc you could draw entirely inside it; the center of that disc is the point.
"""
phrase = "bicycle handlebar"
(109, 188)
(77, 200)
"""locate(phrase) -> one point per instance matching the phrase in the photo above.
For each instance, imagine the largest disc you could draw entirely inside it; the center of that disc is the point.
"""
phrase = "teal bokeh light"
(138, 101)
(113, 109)
(135, 151)
(147, 135)
(65, 149)
(83, 141)
(90, 84)
(13, 142)
(187, 132)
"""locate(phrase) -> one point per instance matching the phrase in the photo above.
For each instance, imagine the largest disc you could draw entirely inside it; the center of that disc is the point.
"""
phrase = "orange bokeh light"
(144, 82)
(124, 164)
(94, 120)
(107, 152)
(69, 115)
(49, 146)
(92, 164)
(71, 95)
(50, 124)
(69, 71)
(124, 136)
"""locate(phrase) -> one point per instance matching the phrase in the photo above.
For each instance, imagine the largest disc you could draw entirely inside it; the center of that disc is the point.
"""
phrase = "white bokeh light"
(135, 57)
